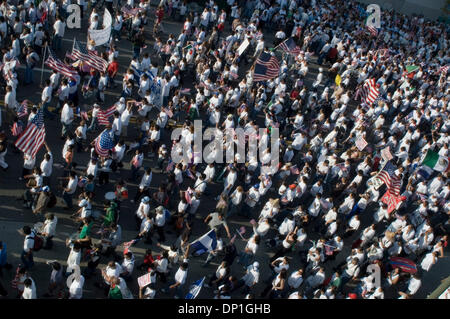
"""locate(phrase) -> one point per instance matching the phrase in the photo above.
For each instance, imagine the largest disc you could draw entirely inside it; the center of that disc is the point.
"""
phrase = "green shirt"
(110, 217)
(85, 231)
(115, 293)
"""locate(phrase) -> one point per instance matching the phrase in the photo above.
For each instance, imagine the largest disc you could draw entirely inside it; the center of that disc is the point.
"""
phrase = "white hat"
(256, 265)
(320, 70)
(146, 199)
(122, 99)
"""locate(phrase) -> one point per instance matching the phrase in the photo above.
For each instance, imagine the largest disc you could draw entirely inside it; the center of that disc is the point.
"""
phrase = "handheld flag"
(205, 243)
(195, 288)
(103, 143)
(436, 162)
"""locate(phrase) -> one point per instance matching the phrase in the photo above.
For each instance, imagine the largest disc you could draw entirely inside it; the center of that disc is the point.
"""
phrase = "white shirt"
(76, 288)
(30, 292)
(47, 166)
(180, 276)
(66, 114)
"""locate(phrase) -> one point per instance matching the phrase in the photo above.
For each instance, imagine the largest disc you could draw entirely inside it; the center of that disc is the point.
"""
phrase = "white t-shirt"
(180, 276)
(30, 292)
(76, 288)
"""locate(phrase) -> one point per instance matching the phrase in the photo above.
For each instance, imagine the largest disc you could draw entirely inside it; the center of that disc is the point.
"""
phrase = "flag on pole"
(338, 80)
(22, 110)
(405, 264)
(104, 115)
(424, 171)
(103, 143)
(372, 30)
(392, 200)
(436, 162)
(444, 69)
(266, 67)
(56, 64)
(128, 244)
(290, 47)
(392, 181)
(33, 137)
(207, 242)
(170, 165)
(195, 288)
(16, 129)
(369, 91)
(80, 52)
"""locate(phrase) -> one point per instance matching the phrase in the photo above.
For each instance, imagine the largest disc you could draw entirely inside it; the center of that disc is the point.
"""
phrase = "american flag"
(56, 64)
(104, 115)
(128, 244)
(22, 110)
(103, 143)
(392, 181)
(170, 165)
(290, 47)
(130, 13)
(373, 31)
(294, 170)
(80, 52)
(382, 53)
(266, 68)
(33, 137)
(16, 129)
(444, 69)
(368, 92)
(84, 115)
(70, 56)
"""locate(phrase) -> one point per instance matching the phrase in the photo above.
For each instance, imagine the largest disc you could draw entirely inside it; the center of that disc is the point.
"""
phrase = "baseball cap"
(146, 199)
(256, 265)
(45, 189)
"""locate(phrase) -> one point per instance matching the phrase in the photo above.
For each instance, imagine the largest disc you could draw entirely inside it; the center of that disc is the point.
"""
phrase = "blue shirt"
(3, 255)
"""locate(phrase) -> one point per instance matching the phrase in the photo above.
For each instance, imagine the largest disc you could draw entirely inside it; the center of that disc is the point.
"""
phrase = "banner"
(242, 47)
(101, 37)
(144, 280)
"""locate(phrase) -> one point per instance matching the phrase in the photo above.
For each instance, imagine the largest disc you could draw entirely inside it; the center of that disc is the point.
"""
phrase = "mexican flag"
(411, 68)
(436, 162)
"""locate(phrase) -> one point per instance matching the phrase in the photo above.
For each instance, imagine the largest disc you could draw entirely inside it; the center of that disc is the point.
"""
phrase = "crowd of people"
(319, 210)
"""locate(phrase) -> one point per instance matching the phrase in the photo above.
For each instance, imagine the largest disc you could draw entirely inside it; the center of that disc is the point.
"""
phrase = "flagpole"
(43, 63)
(280, 44)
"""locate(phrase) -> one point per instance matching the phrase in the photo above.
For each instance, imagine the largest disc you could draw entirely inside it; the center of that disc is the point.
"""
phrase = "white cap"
(122, 99)
(256, 265)
(146, 199)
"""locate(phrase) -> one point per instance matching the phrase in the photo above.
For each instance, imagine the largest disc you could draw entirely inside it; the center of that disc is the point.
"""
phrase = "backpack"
(52, 202)
(38, 242)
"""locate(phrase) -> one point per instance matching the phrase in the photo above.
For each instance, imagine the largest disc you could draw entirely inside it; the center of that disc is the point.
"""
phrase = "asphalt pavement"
(13, 216)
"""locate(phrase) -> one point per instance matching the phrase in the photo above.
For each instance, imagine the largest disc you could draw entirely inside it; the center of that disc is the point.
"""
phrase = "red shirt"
(113, 67)
(160, 14)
